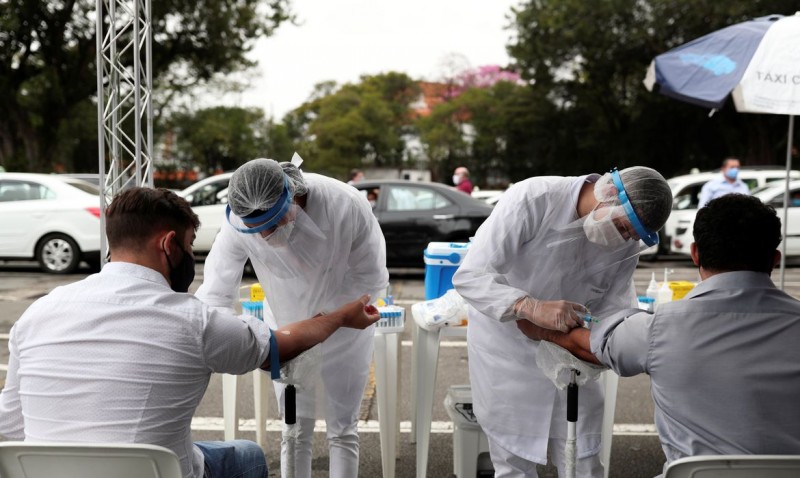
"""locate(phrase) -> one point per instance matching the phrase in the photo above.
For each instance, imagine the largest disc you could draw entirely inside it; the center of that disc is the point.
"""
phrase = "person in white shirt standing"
(125, 355)
(727, 183)
(312, 241)
(553, 250)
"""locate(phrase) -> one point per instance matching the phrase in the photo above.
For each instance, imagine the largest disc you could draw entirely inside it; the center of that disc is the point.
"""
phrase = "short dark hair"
(137, 214)
(355, 172)
(736, 232)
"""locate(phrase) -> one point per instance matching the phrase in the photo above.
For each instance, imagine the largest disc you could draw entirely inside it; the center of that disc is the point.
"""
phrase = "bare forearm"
(298, 337)
(576, 341)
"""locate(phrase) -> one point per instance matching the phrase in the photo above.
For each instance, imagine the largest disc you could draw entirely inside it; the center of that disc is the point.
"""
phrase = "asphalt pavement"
(635, 447)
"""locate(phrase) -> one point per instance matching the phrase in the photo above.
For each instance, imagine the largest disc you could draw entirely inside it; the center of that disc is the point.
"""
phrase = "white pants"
(508, 465)
(343, 450)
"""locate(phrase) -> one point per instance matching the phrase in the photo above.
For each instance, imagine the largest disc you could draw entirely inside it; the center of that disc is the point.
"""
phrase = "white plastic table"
(387, 387)
(230, 409)
(423, 380)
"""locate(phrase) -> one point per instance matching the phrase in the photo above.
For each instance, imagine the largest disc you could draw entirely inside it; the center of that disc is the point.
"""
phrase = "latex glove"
(550, 314)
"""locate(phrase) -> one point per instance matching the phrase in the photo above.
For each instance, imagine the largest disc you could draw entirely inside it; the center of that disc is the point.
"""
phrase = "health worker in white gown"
(314, 244)
(553, 250)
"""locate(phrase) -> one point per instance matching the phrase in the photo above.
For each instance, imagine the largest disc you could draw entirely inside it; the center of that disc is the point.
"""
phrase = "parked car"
(771, 194)
(51, 219)
(489, 196)
(208, 198)
(413, 213)
(686, 195)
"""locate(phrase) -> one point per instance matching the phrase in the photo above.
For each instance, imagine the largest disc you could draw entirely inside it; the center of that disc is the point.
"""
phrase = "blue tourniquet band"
(649, 238)
(274, 357)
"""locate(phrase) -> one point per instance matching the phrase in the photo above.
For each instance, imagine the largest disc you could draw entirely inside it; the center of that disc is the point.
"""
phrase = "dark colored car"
(413, 213)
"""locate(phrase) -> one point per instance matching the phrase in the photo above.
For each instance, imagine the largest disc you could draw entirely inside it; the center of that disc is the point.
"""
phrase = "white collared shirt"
(120, 357)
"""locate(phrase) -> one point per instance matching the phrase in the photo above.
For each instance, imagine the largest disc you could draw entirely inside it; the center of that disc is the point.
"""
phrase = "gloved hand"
(550, 314)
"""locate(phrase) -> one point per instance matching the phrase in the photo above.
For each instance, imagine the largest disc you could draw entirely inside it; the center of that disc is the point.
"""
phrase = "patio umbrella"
(757, 62)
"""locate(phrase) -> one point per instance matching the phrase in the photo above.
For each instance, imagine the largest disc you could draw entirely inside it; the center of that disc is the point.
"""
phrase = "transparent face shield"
(284, 239)
(565, 257)
(613, 224)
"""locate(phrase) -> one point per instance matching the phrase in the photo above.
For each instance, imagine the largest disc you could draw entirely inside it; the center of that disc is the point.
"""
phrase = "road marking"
(373, 426)
(443, 343)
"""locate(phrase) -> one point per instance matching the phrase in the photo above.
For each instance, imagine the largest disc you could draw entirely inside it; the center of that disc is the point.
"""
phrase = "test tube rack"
(254, 308)
(392, 319)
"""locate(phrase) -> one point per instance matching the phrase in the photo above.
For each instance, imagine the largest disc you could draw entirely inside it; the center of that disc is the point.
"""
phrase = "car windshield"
(83, 186)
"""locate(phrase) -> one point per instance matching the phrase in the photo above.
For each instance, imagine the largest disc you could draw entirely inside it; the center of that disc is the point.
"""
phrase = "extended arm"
(298, 337)
(576, 341)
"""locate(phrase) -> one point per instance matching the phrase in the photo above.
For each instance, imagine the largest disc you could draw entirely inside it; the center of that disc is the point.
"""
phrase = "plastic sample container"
(441, 262)
(680, 288)
(469, 441)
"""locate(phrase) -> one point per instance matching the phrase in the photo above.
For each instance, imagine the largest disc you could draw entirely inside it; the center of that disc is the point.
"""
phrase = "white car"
(489, 196)
(51, 219)
(686, 195)
(208, 198)
(772, 195)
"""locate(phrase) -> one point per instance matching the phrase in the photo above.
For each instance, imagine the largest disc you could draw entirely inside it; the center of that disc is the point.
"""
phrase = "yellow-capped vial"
(256, 292)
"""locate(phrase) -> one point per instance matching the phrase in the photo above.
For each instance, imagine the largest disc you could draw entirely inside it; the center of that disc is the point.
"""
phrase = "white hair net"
(646, 189)
(258, 184)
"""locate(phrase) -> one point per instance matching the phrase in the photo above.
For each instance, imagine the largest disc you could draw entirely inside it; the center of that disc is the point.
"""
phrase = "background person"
(553, 247)
(356, 176)
(461, 180)
(313, 242)
(723, 361)
(126, 355)
(727, 183)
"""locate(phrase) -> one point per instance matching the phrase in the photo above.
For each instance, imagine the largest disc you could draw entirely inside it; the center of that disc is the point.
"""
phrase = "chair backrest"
(87, 460)
(735, 466)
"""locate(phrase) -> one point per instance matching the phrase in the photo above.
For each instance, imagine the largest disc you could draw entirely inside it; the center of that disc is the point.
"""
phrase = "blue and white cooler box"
(441, 261)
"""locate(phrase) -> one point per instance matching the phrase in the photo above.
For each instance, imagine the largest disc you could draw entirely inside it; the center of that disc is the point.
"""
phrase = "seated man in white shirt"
(126, 355)
(723, 361)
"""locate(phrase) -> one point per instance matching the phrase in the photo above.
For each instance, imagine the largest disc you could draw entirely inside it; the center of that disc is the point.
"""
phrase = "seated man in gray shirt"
(724, 363)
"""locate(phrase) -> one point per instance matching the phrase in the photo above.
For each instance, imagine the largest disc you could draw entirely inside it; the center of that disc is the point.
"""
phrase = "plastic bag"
(556, 363)
(449, 309)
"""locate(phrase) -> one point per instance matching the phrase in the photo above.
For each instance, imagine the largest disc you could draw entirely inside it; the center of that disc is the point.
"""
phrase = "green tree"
(47, 67)
(355, 125)
(221, 138)
(589, 58)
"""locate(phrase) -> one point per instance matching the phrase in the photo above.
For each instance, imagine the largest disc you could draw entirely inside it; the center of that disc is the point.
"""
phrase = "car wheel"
(58, 254)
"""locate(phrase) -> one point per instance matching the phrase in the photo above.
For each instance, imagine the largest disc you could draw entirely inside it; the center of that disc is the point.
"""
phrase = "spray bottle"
(652, 289)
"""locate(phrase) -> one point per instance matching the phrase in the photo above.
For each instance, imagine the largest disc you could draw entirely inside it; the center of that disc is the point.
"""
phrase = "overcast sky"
(344, 39)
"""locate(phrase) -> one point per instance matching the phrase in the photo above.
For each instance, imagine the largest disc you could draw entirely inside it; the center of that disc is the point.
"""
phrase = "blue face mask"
(732, 173)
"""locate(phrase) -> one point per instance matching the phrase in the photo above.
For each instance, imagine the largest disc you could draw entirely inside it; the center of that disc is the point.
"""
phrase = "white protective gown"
(530, 245)
(337, 253)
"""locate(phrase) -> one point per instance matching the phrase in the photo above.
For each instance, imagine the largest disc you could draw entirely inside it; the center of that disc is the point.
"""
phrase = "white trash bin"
(469, 441)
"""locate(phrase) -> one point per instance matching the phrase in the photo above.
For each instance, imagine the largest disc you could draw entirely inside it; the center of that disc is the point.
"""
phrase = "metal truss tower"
(124, 98)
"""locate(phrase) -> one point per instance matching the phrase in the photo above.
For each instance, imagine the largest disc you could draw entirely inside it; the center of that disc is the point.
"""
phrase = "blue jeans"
(233, 459)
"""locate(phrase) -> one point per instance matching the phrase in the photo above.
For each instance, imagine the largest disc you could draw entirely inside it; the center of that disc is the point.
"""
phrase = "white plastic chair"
(735, 466)
(87, 460)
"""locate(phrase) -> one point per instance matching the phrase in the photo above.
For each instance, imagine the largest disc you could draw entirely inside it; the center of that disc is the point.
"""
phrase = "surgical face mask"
(280, 236)
(456, 179)
(732, 173)
(181, 274)
(602, 231)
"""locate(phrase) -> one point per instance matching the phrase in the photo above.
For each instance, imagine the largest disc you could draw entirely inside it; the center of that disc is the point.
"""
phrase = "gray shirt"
(724, 366)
